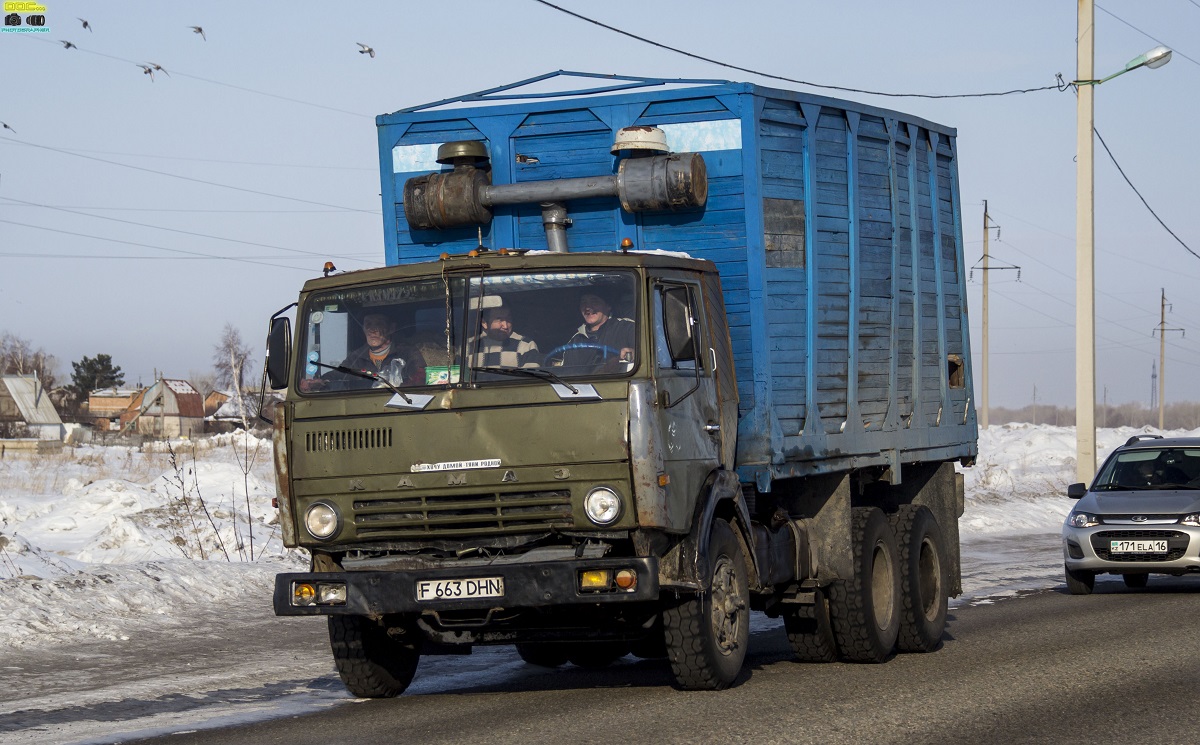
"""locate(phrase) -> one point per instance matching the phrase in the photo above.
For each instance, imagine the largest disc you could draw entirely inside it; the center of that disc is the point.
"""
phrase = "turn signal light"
(594, 579)
(626, 579)
(303, 594)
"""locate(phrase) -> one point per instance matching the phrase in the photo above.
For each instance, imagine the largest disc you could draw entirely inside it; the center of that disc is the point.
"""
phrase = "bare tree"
(18, 357)
(233, 368)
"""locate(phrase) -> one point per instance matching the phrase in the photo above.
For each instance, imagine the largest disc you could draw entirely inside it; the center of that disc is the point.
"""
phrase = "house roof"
(32, 399)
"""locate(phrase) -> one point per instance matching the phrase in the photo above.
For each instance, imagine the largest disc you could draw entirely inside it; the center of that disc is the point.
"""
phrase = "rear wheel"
(810, 631)
(371, 664)
(1080, 581)
(542, 655)
(1137, 580)
(923, 598)
(707, 634)
(865, 608)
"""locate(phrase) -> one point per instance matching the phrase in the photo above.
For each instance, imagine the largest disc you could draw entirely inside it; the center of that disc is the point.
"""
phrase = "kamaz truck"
(645, 357)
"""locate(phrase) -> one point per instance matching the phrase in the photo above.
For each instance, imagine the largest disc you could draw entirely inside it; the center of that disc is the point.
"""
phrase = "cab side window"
(676, 327)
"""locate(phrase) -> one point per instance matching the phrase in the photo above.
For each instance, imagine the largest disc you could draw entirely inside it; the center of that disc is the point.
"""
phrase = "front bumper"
(1087, 549)
(530, 585)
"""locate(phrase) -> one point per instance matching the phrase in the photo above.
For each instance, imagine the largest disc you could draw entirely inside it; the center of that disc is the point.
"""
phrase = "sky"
(256, 143)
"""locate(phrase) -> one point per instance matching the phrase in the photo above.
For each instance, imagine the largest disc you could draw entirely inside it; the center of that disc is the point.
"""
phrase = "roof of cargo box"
(539, 90)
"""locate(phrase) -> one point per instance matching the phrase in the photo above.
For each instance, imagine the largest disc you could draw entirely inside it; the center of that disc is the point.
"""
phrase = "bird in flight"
(85, 24)
(198, 30)
(365, 49)
(67, 44)
(159, 68)
(10, 129)
(148, 70)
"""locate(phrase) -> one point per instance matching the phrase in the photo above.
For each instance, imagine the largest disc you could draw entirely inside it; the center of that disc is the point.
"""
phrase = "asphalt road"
(1117, 666)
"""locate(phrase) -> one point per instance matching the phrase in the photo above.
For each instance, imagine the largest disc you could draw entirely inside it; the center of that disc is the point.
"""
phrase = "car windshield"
(526, 328)
(1151, 469)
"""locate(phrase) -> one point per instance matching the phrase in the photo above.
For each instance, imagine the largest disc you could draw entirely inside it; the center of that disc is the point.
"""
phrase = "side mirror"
(1075, 491)
(279, 343)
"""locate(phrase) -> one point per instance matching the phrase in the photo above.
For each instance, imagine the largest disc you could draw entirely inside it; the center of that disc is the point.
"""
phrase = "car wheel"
(1080, 581)
(865, 607)
(370, 663)
(810, 631)
(542, 655)
(1136, 580)
(596, 655)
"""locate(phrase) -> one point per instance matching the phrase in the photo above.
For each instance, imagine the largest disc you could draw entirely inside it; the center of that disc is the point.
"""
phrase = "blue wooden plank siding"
(835, 226)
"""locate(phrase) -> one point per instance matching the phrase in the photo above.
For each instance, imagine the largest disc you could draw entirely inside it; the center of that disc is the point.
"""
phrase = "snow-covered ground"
(111, 545)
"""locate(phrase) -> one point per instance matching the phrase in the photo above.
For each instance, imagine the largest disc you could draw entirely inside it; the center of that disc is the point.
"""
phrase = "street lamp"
(1085, 248)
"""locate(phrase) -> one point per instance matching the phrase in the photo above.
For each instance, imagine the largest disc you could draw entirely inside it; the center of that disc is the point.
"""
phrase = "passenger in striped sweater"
(499, 345)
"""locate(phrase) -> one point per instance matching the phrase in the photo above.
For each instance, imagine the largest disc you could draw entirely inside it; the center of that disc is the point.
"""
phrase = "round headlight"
(321, 520)
(602, 505)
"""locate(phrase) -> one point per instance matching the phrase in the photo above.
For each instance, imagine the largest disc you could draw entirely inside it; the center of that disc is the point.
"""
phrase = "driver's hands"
(626, 354)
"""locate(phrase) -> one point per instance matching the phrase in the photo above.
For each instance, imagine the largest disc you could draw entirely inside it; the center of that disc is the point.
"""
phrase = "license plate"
(1137, 547)
(459, 589)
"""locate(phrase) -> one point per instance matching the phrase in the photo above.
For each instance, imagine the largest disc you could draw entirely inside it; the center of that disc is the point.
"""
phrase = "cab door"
(688, 412)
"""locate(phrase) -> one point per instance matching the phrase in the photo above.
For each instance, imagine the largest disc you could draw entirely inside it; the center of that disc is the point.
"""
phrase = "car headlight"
(603, 505)
(322, 520)
(1192, 519)
(1082, 520)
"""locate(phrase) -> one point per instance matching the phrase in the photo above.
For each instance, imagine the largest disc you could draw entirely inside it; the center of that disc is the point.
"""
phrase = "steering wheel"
(604, 349)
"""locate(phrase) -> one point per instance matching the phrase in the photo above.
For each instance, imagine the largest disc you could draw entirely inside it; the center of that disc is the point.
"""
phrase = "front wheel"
(1080, 581)
(707, 634)
(866, 606)
(370, 663)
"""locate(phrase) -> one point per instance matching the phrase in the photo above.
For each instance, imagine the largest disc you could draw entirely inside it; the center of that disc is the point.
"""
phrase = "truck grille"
(462, 514)
(348, 439)
(1177, 544)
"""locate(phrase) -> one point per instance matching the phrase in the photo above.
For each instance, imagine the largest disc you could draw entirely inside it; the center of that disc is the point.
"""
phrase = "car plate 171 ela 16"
(460, 589)
(1138, 547)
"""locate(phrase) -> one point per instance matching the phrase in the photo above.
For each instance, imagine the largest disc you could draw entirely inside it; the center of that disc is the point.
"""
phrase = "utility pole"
(1153, 385)
(1104, 411)
(1162, 356)
(985, 267)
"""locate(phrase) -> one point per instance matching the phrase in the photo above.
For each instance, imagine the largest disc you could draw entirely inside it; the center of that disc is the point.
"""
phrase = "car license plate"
(459, 589)
(1137, 547)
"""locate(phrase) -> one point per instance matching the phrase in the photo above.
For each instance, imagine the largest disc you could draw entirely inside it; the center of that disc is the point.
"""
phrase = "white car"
(1141, 515)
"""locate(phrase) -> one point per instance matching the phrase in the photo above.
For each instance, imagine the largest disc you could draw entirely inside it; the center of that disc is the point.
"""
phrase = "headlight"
(322, 520)
(1192, 519)
(602, 505)
(1082, 520)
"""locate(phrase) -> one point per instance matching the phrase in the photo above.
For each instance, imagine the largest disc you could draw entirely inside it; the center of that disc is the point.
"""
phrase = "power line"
(172, 230)
(710, 60)
(1139, 194)
(224, 162)
(185, 178)
(151, 246)
(174, 72)
(1148, 36)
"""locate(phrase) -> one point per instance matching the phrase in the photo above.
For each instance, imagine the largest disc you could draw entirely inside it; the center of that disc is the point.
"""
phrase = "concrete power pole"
(986, 268)
(1162, 356)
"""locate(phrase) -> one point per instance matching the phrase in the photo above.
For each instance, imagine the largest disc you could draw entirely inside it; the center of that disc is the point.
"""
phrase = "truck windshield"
(477, 328)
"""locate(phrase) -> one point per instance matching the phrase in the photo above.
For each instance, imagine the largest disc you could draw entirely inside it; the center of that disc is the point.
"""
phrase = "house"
(229, 415)
(105, 406)
(169, 408)
(213, 401)
(25, 406)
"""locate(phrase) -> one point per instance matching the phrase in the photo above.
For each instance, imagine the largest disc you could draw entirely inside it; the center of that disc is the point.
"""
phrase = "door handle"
(712, 428)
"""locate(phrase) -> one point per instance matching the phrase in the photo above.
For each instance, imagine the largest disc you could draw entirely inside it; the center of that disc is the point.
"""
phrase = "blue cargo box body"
(836, 228)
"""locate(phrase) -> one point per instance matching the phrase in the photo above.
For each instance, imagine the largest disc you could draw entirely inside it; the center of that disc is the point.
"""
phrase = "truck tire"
(1080, 581)
(865, 608)
(370, 663)
(596, 655)
(707, 634)
(810, 631)
(542, 655)
(923, 582)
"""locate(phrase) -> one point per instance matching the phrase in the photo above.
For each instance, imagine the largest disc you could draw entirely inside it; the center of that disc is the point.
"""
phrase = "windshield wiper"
(366, 375)
(531, 372)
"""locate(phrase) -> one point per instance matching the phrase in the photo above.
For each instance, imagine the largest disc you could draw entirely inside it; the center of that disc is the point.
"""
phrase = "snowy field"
(108, 546)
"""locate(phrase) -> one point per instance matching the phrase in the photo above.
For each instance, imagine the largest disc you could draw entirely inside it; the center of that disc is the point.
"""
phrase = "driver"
(602, 341)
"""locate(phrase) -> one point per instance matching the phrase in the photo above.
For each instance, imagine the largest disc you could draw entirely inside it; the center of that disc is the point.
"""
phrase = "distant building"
(105, 406)
(169, 408)
(214, 401)
(25, 404)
